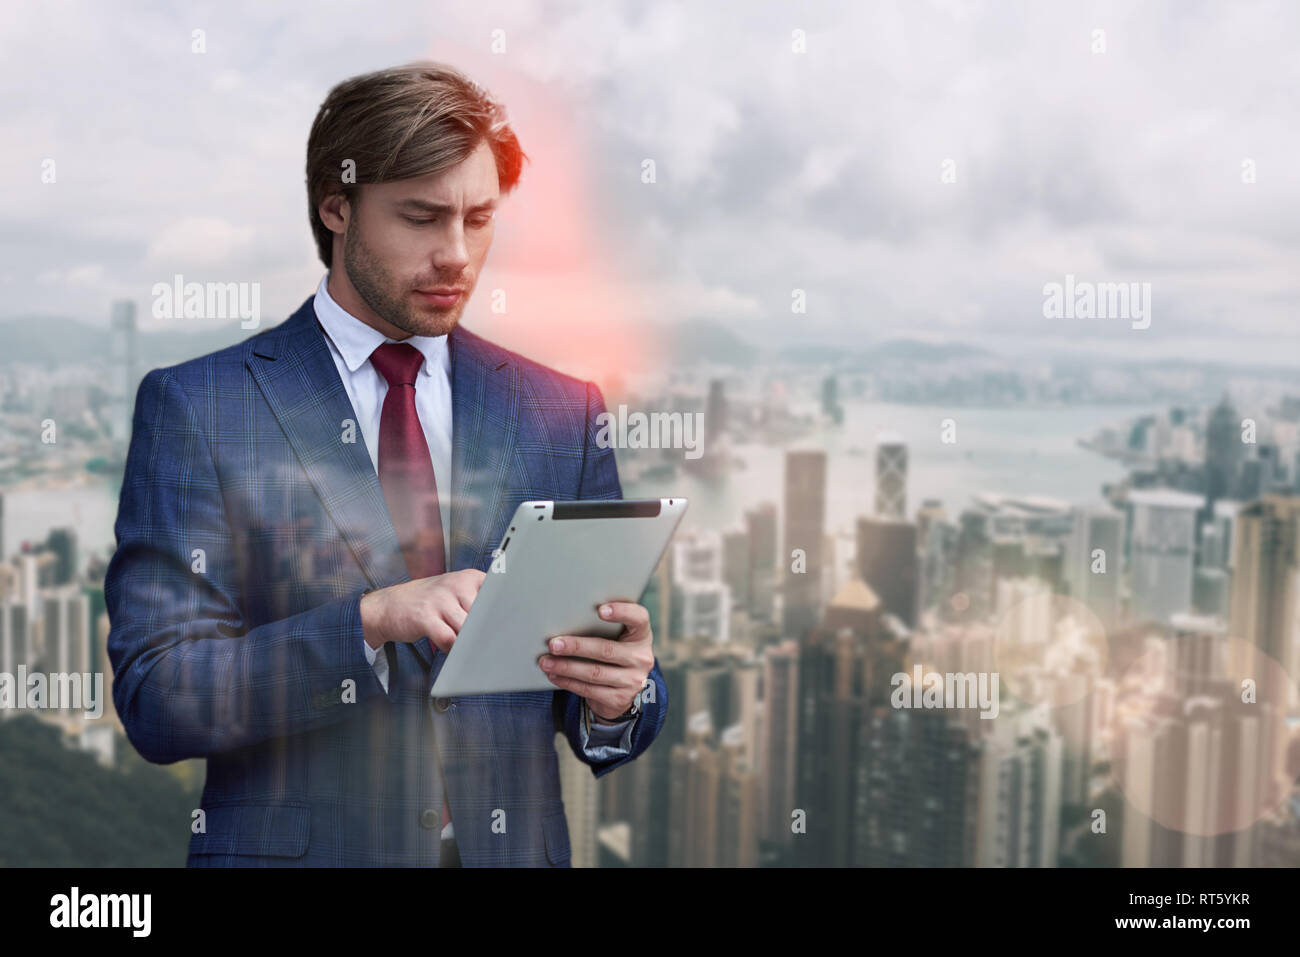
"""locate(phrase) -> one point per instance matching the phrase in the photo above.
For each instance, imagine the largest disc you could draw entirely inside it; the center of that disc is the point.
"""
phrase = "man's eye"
(417, 222)
(480, 221)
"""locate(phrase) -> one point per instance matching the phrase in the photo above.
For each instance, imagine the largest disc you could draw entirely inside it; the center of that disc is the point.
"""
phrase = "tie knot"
(398, 362)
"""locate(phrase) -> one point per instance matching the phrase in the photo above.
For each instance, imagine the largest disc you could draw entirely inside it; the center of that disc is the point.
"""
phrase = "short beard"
(379, 291)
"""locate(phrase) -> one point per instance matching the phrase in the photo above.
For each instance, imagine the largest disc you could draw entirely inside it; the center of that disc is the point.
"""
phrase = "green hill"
(60, 808)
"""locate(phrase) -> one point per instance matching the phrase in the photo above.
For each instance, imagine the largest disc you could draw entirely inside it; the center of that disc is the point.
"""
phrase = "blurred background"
(986, 312)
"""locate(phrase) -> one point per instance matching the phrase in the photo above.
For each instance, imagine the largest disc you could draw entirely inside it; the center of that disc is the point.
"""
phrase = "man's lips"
(444, 296)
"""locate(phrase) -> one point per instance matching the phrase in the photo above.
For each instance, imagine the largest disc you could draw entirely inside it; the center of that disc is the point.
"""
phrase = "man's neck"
(345, 294)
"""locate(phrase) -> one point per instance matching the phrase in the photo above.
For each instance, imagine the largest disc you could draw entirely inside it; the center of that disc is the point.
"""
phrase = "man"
(307, 516)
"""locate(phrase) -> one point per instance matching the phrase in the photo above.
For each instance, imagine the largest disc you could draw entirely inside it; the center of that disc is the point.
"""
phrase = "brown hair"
(400, 123)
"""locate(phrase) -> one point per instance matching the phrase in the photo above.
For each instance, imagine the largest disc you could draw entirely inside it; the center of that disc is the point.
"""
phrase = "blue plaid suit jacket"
(248, 528)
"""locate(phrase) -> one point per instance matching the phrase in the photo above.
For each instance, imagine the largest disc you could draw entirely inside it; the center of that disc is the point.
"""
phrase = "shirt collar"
(355, 340)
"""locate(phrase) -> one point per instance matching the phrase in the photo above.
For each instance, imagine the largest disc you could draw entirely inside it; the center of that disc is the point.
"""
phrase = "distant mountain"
(707, 340)
(913, 350)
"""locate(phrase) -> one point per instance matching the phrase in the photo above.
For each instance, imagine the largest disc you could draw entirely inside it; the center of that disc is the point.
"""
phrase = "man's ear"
(334, 211)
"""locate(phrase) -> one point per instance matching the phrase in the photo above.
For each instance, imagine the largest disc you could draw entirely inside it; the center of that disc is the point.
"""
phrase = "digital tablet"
(556, 564)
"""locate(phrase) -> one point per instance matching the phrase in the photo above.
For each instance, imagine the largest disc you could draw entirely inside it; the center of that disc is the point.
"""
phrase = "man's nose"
(451, 254)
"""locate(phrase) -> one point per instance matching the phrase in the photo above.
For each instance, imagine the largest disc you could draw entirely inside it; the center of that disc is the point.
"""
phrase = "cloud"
(198, 242)
(776, 170)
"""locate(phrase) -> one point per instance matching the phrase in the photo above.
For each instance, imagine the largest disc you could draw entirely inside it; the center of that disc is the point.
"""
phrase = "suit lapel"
(485, 423)
(293, 368)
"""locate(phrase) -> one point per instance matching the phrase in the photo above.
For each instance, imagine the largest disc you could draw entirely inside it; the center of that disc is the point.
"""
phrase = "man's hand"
(609, 673)
(435, 606)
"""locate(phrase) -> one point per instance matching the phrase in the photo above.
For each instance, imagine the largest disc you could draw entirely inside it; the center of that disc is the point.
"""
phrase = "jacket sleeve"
(191, 678)
(600, 481)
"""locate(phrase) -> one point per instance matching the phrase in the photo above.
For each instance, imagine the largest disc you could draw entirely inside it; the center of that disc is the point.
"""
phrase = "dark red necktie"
(406, 472)
(405, 466)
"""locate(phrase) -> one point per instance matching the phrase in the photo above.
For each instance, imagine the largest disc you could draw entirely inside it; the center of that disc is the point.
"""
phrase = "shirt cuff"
(603, 742)
(378, 662)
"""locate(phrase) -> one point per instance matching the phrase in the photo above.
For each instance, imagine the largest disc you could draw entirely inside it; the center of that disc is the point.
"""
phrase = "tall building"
(845, 667)
(715, 415)
(736, 568)
(704, 610)
(780, 739)
(1077, 699)
(831, 407)
(936, 545)
(696, 789)
(697, 557)
(648, 790)
(1199, 766)
(887, 561)
(1266, 578)
(737, 818)
(891, 475)
(1217, 535)
(973, 561)
(701, 605)
(1095, 561)
(760, 526)
(1223, 452)
(1019, 810)
(805, 532)
(1026, 612)
(63, 543)
(1163, 548)
(916, 803)
(66, 629)
(122, 357)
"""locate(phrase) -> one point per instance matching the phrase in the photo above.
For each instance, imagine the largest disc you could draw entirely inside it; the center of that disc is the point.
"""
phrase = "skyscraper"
(738, 802)
(805, 532)
(1266, 578)
(917, 796)
(695, 791)
(887, 561)
(891, 475)
(760, 526)
(1223, 451)
(1163, 551)
(122, 359)
(1094, 561)
(844, 669)
(736, 564)
(1020, 772)
(778, 751)
(715, 413)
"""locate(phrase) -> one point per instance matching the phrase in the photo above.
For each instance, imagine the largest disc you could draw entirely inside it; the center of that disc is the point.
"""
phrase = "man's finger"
(636, 617)
(597, 649)
(600, 696)
(455, 616)
(466, 589)
(594, 673)
(441, 635)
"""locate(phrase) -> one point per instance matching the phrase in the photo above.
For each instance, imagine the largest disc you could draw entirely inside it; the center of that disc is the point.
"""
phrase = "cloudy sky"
(1108, 141)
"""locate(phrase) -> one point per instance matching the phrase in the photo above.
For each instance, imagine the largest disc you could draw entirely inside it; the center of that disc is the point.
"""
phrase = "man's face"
(408, 240)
